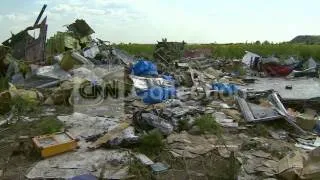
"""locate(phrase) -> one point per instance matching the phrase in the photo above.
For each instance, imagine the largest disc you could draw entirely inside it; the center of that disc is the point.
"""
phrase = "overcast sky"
(195, 21)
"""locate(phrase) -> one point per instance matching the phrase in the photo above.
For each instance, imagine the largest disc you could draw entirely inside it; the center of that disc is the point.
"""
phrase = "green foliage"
(142, 50)
(183, 125)
(48, 125)
(24, 68)
(4, 84)
(151, 143)
(306, 39)
(139, 171)
(230, 51)
(45, 125)
(22, 106)
(208, 124)
(242, 71)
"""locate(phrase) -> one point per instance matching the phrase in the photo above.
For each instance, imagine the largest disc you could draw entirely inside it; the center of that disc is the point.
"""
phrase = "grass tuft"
(208, 124)
(151, 143)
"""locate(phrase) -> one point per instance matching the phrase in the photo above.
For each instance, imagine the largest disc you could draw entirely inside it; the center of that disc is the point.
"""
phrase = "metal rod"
(40, 14)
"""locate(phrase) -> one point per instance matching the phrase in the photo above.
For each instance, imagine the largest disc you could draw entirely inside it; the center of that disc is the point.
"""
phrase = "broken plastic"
(53, 71)
(156, 122)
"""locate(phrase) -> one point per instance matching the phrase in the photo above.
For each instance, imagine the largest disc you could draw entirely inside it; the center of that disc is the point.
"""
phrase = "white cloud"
(147, 21)
(70, 9)
(17, 17)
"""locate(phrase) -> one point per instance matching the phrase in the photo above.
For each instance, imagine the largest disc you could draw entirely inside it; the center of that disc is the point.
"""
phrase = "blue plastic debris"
(84, 177)
(169, 78)
(157, 94)
(229, 89)
(145, 68)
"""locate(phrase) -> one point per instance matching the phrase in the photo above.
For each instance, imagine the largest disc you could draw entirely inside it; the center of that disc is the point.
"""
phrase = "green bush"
(151, 143)
(208, 124)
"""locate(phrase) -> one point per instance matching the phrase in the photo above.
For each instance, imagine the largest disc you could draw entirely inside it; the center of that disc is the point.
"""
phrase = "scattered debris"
(30, 48)
(269, 108)
(109, 136)
(144, 159)
(290, 167)
(183, 102)
(190, 146)
(110, 164)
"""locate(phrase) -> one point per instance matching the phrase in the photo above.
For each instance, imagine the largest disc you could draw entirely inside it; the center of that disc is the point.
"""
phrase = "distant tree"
(266, 42)
(258, 43)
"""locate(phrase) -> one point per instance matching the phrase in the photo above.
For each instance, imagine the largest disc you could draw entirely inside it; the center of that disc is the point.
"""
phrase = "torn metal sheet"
(111, 164)
(83, 126)
(143, 83)
(268, 110)
(311, 72)
(83, 60)
(35, 49)
(27, 47)
(53, 71)
(157, 122)
(302, 88)
(254, 112)
(85, 73)
(80, 28)
(91, 52)
(123, 56)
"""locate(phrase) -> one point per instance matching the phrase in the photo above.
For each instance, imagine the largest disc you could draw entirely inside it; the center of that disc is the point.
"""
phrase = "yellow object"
(53, 144)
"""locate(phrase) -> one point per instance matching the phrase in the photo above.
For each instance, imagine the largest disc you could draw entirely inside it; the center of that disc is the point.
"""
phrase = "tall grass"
(231, 51)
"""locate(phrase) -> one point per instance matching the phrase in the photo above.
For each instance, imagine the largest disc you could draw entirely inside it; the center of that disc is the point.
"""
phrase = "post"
(40, 14)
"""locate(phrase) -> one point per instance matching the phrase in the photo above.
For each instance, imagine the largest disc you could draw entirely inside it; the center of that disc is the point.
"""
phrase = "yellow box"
(53, 144)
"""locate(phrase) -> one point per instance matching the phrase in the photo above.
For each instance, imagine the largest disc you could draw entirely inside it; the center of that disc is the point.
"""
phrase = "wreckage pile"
(198, 104)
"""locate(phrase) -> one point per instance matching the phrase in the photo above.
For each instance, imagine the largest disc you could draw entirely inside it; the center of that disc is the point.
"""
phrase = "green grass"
(23, 106)
(207, 124)
(152, 143)
(229, 51)
(45, 125)
(139, 171)
(183, 125)
(48, 125)
(142, 50)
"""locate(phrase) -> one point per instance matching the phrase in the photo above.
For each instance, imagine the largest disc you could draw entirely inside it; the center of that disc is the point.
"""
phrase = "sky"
(148, 21)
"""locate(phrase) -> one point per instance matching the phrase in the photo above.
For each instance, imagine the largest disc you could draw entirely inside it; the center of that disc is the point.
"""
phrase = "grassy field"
(230, 51)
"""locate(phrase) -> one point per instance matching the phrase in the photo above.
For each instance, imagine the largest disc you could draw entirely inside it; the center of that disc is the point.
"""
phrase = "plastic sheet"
(229, 89)
(145, 68)
(157, 94)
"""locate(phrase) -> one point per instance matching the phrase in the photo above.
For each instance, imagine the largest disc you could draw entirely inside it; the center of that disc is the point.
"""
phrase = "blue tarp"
(169, 78)
(229, 89)
(144, 68)
(157, 94)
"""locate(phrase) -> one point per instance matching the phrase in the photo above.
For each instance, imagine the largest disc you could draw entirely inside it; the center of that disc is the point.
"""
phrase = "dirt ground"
(17, 153)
